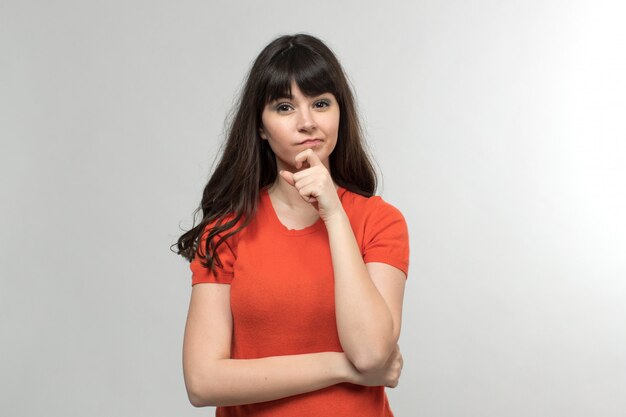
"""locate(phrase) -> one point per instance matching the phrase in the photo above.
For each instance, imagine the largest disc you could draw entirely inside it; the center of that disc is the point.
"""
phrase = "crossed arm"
(368, 307)
(213, 378)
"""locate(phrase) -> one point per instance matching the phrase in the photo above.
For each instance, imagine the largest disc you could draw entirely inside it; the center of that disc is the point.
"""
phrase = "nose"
(306, 121)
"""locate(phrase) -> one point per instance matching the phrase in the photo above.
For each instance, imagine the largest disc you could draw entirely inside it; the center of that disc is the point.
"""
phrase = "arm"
(212, 378)
(368, 298)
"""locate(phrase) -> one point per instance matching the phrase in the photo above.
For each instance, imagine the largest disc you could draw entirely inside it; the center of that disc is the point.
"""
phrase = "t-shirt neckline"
(268, 208)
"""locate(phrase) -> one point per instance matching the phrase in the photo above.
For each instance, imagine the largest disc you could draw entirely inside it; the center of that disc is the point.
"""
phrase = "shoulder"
(368, 209)
(216, 251)
(379, 228)
(220, 230)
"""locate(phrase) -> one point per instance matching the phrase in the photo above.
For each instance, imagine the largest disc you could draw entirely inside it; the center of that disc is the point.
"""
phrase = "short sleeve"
(386, 237)
(221, 274)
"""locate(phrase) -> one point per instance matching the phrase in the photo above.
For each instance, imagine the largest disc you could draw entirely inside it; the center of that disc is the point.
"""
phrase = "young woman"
(298, 270)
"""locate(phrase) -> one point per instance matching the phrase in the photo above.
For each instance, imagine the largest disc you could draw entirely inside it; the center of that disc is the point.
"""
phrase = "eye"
(283, 107)
(320, 104)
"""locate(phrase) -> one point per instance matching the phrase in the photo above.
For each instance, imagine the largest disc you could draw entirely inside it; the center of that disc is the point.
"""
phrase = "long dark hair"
(247, 163)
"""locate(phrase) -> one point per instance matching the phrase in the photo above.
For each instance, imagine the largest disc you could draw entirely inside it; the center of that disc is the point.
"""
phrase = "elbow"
(200, 394)
(367, 365)
(373, 356)
(197, 399)
(205, 384)
(370, 360)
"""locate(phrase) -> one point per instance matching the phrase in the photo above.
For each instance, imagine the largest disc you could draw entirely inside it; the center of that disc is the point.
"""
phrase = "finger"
(392, 384)
(307, 193)
(288, 176)
(308, 156)
(311, 172)
(303, 179)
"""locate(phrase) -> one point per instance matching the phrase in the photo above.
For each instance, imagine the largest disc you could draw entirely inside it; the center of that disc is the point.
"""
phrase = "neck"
(287, 195)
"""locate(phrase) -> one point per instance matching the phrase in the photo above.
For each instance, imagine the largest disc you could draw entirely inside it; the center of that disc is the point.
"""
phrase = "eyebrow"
(285, 97)
(290, 97)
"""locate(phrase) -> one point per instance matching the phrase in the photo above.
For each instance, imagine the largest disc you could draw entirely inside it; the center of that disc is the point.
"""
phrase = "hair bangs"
(308, 70)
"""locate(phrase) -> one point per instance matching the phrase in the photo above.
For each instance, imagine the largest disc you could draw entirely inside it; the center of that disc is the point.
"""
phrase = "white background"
(499, 127)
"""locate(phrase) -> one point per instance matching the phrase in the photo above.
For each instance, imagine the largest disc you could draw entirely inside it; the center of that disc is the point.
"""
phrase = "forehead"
(310, 83)
(294, 92)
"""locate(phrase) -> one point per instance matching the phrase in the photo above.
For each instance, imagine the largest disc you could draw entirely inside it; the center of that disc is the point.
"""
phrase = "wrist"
(344, 370)
(337, 216)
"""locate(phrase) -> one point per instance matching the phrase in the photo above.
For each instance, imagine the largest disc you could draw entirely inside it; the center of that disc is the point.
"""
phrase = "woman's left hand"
(314, 184)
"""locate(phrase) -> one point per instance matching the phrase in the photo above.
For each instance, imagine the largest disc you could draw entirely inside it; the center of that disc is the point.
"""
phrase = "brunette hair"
(247, 163)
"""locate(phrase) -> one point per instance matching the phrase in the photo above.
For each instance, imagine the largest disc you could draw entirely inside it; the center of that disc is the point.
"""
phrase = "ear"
(262, 133)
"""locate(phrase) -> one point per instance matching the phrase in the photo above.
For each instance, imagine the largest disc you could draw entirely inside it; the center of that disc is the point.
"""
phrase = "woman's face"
(293, 124)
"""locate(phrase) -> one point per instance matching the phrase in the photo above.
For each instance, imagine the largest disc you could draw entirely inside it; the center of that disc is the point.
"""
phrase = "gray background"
(498, 125)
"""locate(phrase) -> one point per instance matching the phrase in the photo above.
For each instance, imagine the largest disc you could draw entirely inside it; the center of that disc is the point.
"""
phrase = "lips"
(313, 141)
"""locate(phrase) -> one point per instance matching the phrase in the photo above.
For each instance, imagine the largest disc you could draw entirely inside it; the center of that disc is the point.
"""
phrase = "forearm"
(364, 321)
(223, 382)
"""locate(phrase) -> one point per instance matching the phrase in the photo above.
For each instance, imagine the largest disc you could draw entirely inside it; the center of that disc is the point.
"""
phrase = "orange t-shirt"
(283, 302)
